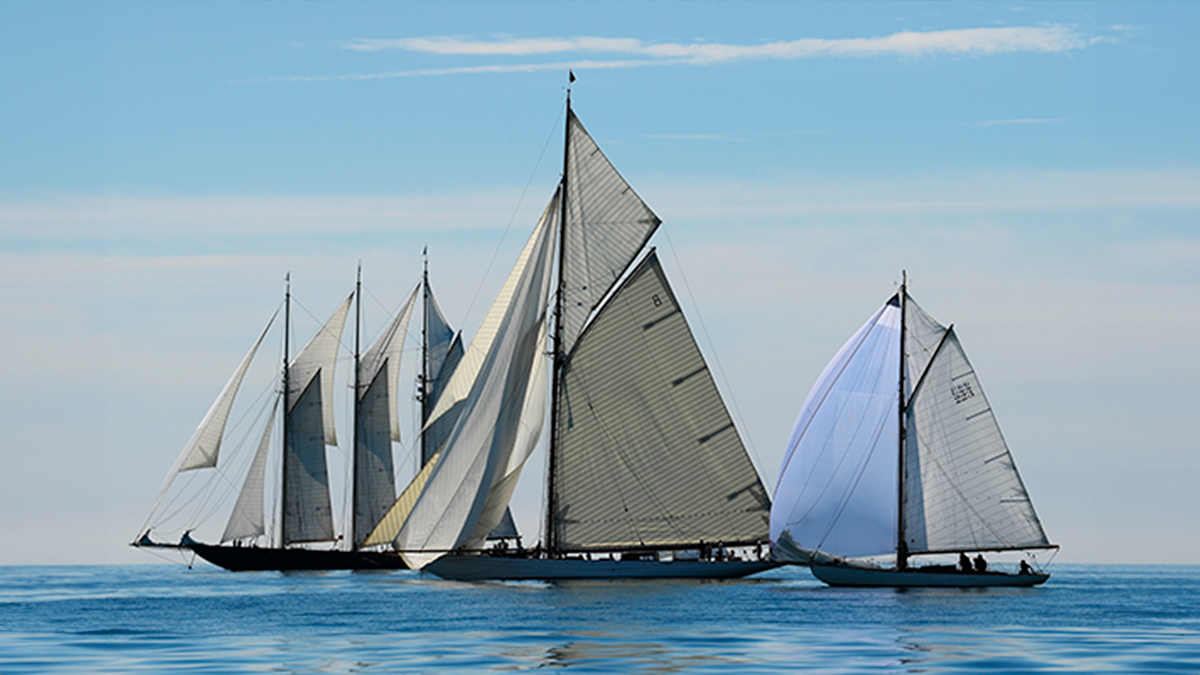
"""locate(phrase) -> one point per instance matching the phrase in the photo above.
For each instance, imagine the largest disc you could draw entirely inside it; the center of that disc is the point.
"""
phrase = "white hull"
(880, 577)
(479, 568)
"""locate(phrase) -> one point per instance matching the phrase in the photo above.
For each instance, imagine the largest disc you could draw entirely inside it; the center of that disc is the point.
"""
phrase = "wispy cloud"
(1020, 121)
(968, 41)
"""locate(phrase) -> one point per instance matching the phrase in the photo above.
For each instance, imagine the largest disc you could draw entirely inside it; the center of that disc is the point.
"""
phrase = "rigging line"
(511, 218)
(712, 349)
(230, 487)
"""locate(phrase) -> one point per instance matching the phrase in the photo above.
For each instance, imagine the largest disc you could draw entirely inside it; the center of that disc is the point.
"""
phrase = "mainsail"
(647, 452)
(307, 513)
(377, 424)
(962, 489)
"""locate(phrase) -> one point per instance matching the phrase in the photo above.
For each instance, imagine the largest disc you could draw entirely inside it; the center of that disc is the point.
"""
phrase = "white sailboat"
(302, 534)
(897, 451)
(644, 460)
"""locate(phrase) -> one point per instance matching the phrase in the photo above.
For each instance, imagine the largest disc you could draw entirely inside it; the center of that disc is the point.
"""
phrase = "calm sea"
(156, 618)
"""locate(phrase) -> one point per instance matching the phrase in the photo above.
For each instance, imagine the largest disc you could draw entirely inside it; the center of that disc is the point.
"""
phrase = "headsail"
(247, 519)
(307, 513)
(962, 489)
(607, 225)
(837, 486)
(647, 452)
(378, 424)
(483, 442)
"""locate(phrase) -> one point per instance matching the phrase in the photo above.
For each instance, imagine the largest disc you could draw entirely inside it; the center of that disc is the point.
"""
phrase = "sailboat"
(303, 536)
(647, 475)
(897, 451)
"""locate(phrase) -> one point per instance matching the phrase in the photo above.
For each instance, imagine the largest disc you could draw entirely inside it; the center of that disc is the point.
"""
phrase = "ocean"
(168, 618)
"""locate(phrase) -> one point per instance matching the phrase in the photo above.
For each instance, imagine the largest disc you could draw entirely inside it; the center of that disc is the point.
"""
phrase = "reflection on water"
(156, 618)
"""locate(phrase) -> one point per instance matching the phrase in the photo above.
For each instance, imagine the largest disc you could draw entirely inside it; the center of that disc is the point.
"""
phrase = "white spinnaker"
(204, 446)
(319, 356)
(962, 489)
(247, 518)
(483, 441)
(837, 489)
(607, 225)
(463, 379)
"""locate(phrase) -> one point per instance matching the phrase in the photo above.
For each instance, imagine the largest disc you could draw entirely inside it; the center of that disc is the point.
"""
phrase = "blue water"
(156, 618)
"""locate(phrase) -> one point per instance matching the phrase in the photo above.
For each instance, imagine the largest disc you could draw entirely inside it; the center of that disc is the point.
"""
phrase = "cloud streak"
(968, 41)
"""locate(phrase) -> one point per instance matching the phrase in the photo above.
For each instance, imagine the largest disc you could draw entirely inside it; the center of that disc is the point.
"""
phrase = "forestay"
(962, 489)
(837, 488)
(607, 225)
(485, 439)
(647, 452)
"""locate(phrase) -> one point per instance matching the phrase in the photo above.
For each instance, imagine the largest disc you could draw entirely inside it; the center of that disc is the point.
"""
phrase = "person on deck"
(1025, 569)
(964, 563)
(980, 563)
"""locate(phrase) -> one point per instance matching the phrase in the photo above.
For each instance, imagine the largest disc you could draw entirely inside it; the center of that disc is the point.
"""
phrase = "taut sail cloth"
(307, 513)
(607, 225)
(443, 352)
(247, 518)
(378, 424)
(454, 490)
(962, 488)
(204, 446)
(647, 452)
(837, 487)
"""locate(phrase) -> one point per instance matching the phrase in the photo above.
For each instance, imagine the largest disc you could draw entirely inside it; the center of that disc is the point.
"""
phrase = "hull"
(480, 568)
(246, 559)
(879, 577)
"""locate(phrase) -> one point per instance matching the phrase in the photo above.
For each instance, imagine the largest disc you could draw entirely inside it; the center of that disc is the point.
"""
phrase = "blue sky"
(1034, 166)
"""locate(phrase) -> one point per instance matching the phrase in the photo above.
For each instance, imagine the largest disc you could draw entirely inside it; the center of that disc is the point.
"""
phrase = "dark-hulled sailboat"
(303, 536)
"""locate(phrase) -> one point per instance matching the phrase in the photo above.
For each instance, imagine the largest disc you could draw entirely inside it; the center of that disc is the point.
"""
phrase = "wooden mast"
(287, 427)
(556, 356)
(354, 467)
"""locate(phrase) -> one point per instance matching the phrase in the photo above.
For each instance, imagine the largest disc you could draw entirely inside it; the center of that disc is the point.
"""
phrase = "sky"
(1033, 167)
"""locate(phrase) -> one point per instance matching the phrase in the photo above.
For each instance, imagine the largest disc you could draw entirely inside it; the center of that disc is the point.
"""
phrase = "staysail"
(837, 487)
(247, 518)
(484, 441)
(307, 513)
(647, 452)
(607, 224)
(378, 424)
(962, 489)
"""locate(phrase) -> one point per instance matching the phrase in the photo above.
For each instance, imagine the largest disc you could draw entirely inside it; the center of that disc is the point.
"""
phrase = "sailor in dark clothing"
(980, 563)
(964, 563)
(1025, 569)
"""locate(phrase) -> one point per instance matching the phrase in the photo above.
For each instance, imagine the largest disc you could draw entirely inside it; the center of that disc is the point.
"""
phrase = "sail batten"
(647, 452)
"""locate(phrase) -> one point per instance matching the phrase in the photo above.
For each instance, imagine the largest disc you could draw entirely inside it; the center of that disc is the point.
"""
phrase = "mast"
(901, 538)
(424, 354)
(556, 355)
(354, 468)
(287, 427)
